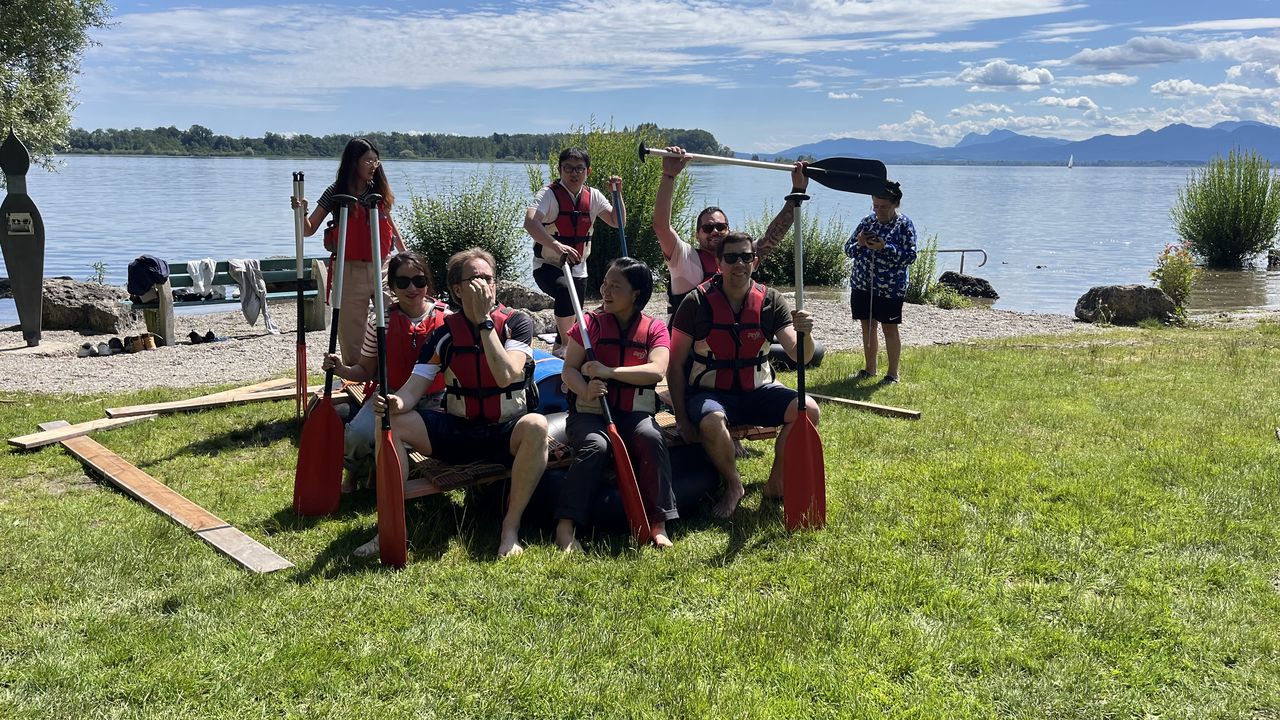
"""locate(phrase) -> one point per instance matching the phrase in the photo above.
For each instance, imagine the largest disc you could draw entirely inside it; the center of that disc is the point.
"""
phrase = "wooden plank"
(206, 402)
(234, 544)
(667, 422)
(886, 410)
(40, 439)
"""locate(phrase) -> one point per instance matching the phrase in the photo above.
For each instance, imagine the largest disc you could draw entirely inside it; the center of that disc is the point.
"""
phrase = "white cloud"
(1056, 30)
(892, 100)
(1104, 80)
(1000, 75)
(946, 47)
(1260, 49)
(806, 84)
(1178, 88)
(1254, 75)
(843, 96)
(1076, 103)
(972, 110)
(921, 128)
(1137, 52)
(1220, 25)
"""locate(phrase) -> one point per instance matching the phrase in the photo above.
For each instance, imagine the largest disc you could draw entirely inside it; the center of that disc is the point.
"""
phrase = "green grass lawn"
(1078, 527)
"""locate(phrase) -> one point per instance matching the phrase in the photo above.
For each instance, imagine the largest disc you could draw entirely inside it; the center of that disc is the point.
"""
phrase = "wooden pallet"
(429, 476)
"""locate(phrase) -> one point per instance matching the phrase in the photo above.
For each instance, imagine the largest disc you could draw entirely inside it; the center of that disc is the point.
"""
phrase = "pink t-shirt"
(659, 336)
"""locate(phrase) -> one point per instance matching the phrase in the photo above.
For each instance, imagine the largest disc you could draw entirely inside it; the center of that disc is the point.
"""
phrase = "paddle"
(855, 175)
(317, 483)
(392, 543)
(628, 488)
(300, 361)
(622, 222)
(804, 476)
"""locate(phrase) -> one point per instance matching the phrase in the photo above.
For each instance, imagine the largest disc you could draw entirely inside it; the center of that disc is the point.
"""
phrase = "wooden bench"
(159, 314)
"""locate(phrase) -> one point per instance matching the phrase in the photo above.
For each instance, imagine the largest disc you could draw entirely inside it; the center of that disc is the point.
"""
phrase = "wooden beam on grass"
(48, 437)
(246, 551)
(886, 410)
(206, 402)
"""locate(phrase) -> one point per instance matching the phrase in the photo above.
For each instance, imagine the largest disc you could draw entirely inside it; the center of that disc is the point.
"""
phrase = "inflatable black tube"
(779, 356)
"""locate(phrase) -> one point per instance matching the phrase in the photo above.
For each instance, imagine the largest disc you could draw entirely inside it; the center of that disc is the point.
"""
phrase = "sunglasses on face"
(740, 257)
(709, 228)
(419, 281)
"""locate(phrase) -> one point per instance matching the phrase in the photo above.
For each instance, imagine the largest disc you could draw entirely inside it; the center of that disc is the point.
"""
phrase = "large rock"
(515, 295)
(1125, 305)
(968, 285)
(86, 306)
(544, 321)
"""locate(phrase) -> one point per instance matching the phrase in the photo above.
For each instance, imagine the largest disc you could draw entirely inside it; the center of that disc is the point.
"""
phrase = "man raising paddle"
(725, 327)
(487, 362)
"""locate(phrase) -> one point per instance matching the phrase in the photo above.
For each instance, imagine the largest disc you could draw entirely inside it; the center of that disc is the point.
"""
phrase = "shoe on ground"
(136, 344)
(861, 375)
(210, 337)
(128, 344)
(104, 349)
(115, 345)
(195, 337)
(86, 350)
(890, 380)
(148, 341)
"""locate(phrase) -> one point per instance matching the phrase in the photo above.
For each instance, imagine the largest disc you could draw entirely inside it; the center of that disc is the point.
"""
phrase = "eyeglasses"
(709, 228)
(482, 278)
(419, 281)
(371, 163)
(735, 258)
(573, 169)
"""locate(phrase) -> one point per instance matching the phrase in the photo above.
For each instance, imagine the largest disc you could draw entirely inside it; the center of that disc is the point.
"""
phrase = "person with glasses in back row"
(719, 374)
(560, 220)
(882, 247)
(359, 173)
(410, 321)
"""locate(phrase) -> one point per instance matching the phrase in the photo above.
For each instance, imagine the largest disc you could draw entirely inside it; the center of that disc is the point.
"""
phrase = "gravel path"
(250, 355)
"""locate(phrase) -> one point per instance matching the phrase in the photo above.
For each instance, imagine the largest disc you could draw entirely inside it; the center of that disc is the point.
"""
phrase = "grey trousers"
(647, 448)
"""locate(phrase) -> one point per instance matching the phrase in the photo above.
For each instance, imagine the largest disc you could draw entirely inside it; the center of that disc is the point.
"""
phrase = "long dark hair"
(356, 148)
(638, 276)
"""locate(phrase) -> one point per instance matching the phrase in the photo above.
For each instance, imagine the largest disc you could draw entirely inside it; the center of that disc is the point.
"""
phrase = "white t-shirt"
(545, 202)
(685, 267)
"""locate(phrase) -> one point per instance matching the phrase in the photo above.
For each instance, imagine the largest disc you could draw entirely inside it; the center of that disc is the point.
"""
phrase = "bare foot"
(348, 482)
(565, 540)
(773, 489)
(368, 549)
(659, 534)
(510, 544)
(739, 450)
(728, 502)
(570, 547)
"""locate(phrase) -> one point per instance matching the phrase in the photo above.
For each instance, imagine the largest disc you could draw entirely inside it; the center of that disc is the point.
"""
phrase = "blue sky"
(761, 76)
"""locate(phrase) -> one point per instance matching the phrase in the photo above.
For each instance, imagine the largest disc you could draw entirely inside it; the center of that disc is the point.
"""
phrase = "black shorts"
(888, 311)
(550, 280)
(454, 439)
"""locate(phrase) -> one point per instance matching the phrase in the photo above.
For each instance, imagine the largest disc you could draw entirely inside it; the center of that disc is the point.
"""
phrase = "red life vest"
(359, 241)
(614, 349)
(471, 392)
(572, 225)
(710, 268)
(405, 341)
(735, 354)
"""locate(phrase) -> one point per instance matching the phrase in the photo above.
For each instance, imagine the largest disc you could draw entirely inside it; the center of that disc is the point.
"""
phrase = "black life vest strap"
(482, 393)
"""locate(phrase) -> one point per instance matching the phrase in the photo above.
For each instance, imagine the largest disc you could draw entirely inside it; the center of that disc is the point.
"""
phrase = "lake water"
(1050, 233)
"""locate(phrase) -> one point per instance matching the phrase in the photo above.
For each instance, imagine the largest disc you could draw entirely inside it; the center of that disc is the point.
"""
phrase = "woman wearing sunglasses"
(410, 321)
(359, 173)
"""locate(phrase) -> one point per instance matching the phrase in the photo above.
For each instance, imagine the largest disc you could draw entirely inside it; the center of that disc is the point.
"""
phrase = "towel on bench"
(201, 272)
(253, 292)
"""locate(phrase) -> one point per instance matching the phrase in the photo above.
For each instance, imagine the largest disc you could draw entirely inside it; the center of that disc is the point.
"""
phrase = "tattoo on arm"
(776, 230)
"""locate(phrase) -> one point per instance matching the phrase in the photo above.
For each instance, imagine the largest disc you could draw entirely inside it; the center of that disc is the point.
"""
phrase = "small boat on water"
(1071, 161)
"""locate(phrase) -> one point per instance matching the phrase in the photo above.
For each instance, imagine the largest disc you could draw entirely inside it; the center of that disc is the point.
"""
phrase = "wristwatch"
(487, 324)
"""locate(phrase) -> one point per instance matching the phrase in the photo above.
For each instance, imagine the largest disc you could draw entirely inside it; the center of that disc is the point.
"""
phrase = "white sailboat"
(1071, 161)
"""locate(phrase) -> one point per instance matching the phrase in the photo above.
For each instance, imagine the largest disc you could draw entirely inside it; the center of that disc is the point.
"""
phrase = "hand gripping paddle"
(392, 542)
(804, 475)
(317, 484)
(628, 488)
(854, 175)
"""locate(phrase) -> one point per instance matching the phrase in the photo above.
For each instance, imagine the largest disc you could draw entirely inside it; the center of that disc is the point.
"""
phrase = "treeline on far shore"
(199, 140)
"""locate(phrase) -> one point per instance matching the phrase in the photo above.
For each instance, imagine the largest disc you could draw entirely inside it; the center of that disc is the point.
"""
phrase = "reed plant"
(824, 259)
(1229, 211)
(924, 270)
(483, 209)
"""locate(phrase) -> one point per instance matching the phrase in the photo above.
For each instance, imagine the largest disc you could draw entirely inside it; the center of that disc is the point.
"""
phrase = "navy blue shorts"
(454, 439)
(888, 311)
(766, 406)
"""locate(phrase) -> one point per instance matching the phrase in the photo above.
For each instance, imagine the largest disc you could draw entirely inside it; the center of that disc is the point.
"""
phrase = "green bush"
(613, 152)
(1229, 210)
(824, 259)
(923, 271)
(482, 210)
(1176, 273)
(947, 298)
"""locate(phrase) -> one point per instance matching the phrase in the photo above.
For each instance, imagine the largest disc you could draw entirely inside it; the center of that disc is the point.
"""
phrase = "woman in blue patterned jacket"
(883, 246)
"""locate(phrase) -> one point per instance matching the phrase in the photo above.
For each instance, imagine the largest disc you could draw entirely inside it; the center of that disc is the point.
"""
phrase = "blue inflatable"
(546, 373)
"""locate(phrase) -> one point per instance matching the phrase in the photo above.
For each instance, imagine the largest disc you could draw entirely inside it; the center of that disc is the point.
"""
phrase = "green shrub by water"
(1229, 210)
(483, 210)
(923, 273)
(824, 259)
(1176, 274)
(613, 152)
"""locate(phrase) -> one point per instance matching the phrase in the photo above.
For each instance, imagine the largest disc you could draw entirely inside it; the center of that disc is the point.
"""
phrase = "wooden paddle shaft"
(717, 159)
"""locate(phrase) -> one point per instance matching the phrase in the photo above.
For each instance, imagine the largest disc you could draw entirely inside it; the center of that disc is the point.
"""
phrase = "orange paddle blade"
(317, 485)
(392, 543)
(804, 477)
(629, 489)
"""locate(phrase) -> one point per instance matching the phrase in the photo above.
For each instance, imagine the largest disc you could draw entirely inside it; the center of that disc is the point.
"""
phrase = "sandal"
(861, 375)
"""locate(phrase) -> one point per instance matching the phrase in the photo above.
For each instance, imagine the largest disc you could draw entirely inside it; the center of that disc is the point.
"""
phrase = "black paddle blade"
(853, 175)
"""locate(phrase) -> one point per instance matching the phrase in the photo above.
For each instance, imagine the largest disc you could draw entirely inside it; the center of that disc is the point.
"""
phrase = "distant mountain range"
(1171, 145)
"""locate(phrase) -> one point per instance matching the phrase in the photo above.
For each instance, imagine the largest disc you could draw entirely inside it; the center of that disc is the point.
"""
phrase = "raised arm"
(667, 235)
(785, 218)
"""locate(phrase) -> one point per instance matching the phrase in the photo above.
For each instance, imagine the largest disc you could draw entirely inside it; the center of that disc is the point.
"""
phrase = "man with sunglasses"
(560, 221)
(719, 374)
(692, 265)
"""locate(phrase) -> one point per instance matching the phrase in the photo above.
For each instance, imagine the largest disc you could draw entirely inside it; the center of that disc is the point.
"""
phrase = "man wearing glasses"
(692, 265)
(719, 374)
(560, 220)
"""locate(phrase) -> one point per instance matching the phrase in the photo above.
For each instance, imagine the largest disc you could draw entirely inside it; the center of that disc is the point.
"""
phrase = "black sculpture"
(22, 238)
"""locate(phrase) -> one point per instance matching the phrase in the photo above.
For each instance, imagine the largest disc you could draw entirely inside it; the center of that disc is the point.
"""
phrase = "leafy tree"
(41, 43)
(1229, 211)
